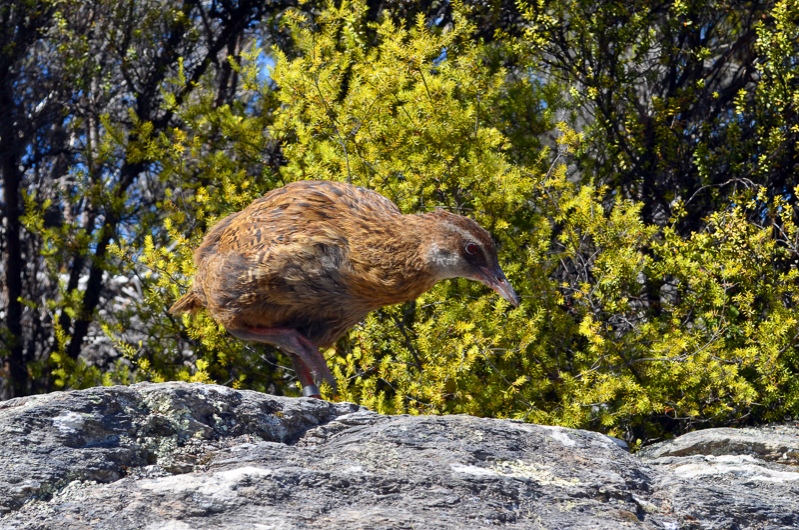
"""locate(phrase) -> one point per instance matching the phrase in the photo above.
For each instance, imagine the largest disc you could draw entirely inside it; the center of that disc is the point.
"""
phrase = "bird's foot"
(311, 391)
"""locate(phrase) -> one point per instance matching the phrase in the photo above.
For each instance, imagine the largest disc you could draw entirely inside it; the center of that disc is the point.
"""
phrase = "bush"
(658, 293)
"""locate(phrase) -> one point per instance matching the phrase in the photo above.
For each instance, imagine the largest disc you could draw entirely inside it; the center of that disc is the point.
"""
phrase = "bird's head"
(461, 248)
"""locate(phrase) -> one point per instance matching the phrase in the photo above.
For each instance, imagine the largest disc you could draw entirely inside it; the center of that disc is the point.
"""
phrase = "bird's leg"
(305, 356)
(309, 388)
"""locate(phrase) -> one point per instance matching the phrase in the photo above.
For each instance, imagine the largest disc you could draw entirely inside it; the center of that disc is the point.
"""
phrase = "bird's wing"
(269, 276)
(326, 199)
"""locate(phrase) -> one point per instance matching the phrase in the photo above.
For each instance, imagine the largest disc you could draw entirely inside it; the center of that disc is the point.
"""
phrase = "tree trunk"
(12, 180)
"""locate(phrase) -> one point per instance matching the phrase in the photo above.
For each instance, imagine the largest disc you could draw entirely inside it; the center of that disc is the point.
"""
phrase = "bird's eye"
(472, 248)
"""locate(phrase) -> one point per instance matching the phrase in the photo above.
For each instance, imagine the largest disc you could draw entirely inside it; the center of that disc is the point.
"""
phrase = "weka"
(304, 263)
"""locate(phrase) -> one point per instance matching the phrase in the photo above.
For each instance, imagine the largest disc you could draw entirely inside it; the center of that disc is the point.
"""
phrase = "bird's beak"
(496, 280)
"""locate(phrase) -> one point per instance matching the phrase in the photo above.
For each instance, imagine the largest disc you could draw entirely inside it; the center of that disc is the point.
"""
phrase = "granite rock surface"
(193, 456)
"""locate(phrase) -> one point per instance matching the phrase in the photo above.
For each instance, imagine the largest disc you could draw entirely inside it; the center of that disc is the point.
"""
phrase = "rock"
(774, 443)
(729, 478)
(191, 456)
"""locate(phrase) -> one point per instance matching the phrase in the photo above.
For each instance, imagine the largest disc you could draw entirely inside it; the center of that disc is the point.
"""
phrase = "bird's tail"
(189, 302)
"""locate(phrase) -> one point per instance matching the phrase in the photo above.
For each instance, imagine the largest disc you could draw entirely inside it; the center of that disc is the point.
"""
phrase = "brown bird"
(304, 263)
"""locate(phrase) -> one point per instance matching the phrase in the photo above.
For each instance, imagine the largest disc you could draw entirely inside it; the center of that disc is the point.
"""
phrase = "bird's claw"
(311, 391)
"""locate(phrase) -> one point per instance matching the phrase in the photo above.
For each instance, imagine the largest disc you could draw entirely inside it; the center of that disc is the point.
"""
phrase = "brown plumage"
(304, 263)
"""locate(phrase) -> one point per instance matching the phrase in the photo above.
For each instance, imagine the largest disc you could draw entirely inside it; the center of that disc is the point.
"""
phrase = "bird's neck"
(395, 265)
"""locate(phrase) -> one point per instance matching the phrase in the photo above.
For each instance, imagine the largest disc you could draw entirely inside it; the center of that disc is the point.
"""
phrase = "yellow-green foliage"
(624, 327)
(407, 118)
(731, 313)
(714, 347)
